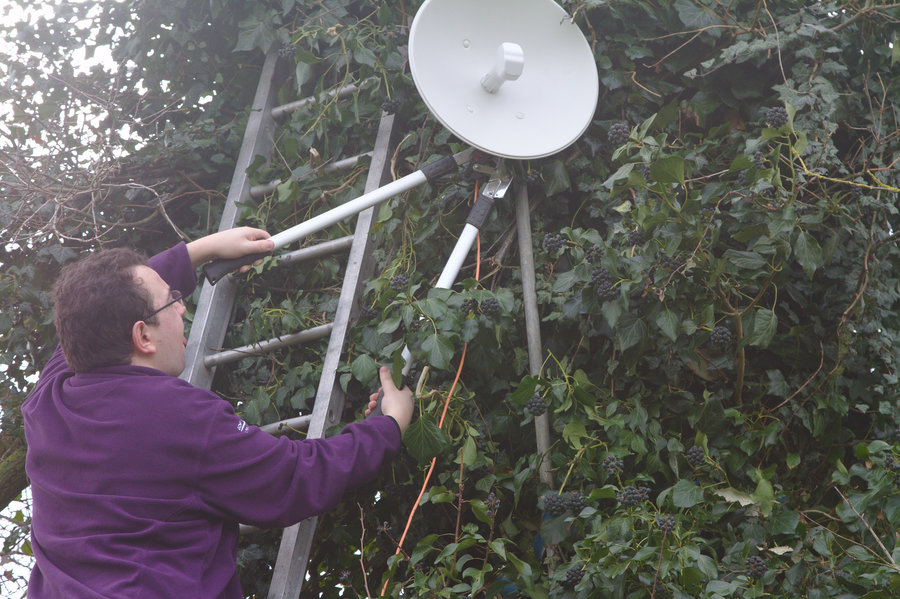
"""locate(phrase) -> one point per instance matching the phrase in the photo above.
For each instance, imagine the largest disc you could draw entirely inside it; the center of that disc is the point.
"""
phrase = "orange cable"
(462, 360)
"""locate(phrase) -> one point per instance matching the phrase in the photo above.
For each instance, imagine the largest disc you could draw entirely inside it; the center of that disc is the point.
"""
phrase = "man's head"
(103, 303)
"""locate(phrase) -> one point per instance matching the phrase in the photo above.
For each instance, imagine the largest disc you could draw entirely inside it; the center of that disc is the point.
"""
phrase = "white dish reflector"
(514, 78)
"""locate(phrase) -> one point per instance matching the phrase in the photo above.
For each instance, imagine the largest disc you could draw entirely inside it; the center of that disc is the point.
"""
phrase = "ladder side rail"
(213, 310)
(296, 541)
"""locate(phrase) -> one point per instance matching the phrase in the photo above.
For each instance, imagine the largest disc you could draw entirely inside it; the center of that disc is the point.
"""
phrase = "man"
(139, 479)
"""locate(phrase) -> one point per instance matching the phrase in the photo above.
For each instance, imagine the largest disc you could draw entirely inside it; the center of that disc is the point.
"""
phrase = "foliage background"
(710, 214)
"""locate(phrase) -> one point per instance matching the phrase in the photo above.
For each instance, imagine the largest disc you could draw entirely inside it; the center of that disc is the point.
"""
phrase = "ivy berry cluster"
(391, 106)
(665, 523)
(667, 262)
(573, 577)
(368, 312)
(536, 406)
(602, 281)
(399, 282)
(490, 306)
(612, 464)
(720, 336)
(637, 237)
(556, 504)
(776, 116)
(632, 496)
(619, 133)
(756, 567)
(696, 456)
(553, 242)
(286, 50)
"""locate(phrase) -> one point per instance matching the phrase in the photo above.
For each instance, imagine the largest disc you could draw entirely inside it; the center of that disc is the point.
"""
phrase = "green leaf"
(555, 530)
(686, 494)
(695, 15)
(749, 260)
(469, 451)
(764, 495)
(784, 523)
(364, 369)
(389, 324)
(765, 324)
(302, 73)
(668, 324)
(574, 432)
(620, 175)
(438, 351)
(809, 253)
(424, 440)
(732, 495)
(668, 170)
(631, 331)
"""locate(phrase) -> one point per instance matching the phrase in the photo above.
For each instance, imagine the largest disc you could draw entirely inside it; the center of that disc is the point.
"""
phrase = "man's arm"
(232, 243)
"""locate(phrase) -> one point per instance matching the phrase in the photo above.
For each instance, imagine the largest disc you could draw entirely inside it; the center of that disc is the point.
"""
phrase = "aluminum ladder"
(216, 302)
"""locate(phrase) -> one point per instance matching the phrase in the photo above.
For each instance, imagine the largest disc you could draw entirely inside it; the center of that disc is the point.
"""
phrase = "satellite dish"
(514, 78)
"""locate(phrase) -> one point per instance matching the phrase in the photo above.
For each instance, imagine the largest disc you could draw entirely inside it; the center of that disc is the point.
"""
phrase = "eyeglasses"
(176, 297)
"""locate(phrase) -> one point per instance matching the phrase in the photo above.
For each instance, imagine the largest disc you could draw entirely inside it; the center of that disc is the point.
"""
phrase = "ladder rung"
(313, 252)
(279, 112)
(298, 422)
(264, 347)
(257, 192)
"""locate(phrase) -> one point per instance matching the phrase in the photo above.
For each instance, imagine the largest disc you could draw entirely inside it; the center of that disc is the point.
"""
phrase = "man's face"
(166, 328)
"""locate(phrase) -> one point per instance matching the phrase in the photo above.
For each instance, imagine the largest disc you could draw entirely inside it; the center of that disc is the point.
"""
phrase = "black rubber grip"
(376, 411)
(480, 211)
(439, 168)
(216, 269)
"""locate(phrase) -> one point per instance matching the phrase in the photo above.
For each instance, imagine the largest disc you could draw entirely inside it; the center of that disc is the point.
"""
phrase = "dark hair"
(97, 300)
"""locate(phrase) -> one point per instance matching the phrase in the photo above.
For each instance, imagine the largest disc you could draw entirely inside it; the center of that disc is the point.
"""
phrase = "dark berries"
(696, 456)
(665, 523)
(600, 275)
(593, 254)
(612, 464)
(490, 306)
(536, 406)
(553, 242)
(574, 501)
(603, 283)
(720, 336)
(391, 106)
(492, 502)
(554, 504)
(399, 282)
(573, 577)
(632, 496)
(286, 50)
(759, 160)
(619, 133)
(742, 177)
(469, 305)
(756, 567)
(368, 313)
(776, 116)
(637, 237)
(667, 262)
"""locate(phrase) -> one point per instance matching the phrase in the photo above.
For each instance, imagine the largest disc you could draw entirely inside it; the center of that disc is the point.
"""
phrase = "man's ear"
(140, 340)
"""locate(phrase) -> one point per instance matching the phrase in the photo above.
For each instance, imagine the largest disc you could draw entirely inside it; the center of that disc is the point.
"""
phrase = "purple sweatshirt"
(139, 479)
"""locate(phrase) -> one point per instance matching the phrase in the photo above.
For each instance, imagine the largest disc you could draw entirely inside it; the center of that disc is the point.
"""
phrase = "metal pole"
(532, 324)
